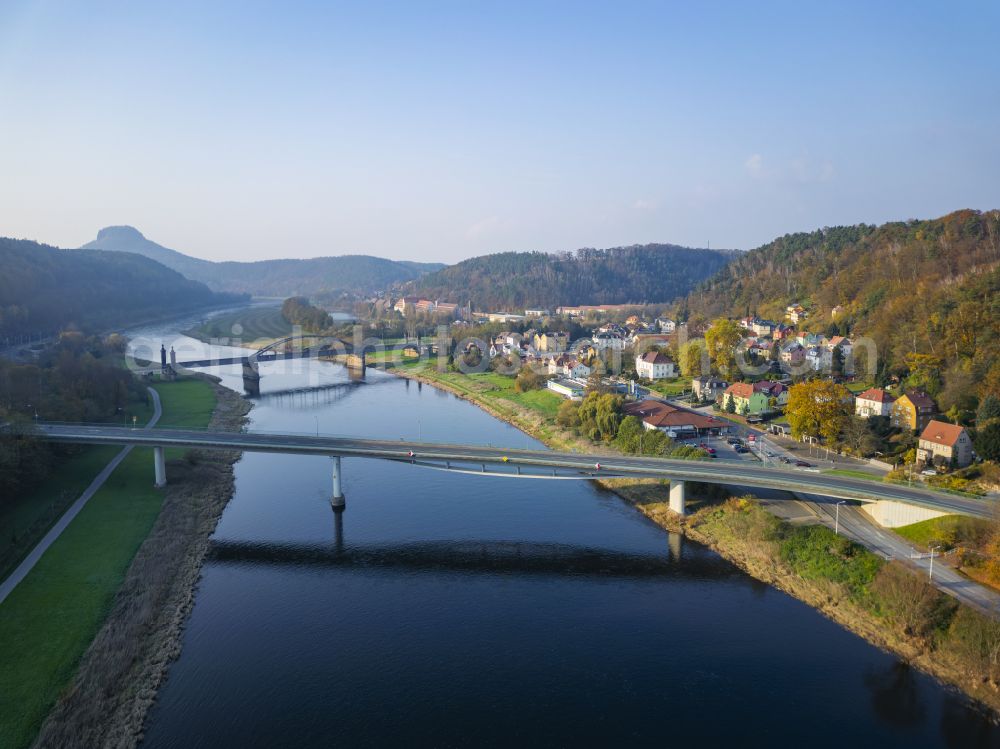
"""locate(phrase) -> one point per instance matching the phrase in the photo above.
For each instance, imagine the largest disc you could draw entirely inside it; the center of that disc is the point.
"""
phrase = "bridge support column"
(337, 501)
(677, 497)
(251, 377)
(160, 467)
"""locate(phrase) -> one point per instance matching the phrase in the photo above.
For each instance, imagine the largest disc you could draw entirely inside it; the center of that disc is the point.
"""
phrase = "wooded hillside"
(44, 289)
(512, 281)
(928, 292)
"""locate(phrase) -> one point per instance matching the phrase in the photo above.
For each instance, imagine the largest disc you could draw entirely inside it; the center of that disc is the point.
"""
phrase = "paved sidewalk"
(28, 563)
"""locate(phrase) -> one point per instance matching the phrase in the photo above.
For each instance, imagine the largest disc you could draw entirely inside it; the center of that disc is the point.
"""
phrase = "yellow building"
(913, 410)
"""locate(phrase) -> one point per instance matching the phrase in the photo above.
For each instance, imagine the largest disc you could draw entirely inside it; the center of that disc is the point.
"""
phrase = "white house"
(655, 366)
(568, 367)
(873, 402)
(666, 325)
(612, 341)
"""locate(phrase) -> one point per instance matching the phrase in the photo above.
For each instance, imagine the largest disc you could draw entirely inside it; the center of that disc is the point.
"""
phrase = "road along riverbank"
(888, 605)
(118, 677)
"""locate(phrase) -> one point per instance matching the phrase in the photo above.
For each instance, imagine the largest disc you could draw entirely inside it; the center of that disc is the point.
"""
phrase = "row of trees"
(78, 379)
(599, 417)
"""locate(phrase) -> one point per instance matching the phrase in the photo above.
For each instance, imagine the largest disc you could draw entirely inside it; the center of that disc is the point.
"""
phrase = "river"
(455, 610)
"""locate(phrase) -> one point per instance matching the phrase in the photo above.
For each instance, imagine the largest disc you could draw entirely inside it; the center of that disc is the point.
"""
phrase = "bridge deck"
(526, 463)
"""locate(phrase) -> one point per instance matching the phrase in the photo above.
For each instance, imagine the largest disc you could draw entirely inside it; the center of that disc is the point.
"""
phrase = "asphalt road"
(854, 523)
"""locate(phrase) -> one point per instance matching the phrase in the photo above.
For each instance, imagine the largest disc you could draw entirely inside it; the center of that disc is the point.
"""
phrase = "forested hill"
(514, 280)
(930, 288)
(44, 289)
(362, 274)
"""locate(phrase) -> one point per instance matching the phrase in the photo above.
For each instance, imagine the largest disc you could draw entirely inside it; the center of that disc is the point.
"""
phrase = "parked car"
(803, 464)
(928, 472)
(740, 449)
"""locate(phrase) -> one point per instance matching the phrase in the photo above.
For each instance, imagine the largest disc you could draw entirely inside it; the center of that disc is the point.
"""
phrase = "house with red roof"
(942, 443)
(676, 422)
(873, 402)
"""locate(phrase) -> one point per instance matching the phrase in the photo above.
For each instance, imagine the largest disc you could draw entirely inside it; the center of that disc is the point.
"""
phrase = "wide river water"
(456, 610)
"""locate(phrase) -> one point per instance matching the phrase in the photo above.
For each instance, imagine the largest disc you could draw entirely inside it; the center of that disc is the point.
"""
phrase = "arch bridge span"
(286, 349)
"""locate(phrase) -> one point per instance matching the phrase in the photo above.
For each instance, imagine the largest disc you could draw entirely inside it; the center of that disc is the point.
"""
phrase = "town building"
(796, 313)
(873, 402)
(913, 410)
(607, 340)
(756, 399)
(654, 365)
(946, 444)
(551, 343)
(676, 422)
(707, 387)
(572, 389)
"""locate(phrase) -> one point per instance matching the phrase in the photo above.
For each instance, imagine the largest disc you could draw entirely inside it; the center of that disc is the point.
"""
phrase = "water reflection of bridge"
(310, 395)
(488, 557)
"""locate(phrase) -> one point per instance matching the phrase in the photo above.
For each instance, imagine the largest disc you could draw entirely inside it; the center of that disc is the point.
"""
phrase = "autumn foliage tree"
(818, 408)
(721, 340)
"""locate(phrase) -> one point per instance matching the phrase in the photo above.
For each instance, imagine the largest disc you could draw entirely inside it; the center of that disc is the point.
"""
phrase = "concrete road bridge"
(518, 463)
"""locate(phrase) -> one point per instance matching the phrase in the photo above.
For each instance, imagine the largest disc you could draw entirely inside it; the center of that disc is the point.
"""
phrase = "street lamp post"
(930, 574)
(836, 521)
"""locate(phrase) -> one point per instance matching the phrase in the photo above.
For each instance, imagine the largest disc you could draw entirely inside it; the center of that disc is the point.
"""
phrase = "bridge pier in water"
(356, 364)
(159, 467)
(251, 377)
(337, 501)
(678, 501)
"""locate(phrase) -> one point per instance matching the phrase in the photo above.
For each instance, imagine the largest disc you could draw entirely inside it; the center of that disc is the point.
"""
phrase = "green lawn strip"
(857, 387)
(255, 323)
(947, 531)
(49, 620)
(30, 516)
(852, 474)
(670, 388)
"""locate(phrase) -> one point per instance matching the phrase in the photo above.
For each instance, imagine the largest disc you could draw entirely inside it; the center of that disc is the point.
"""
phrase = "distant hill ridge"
(44, 289)
(286, 277)
(650, 273)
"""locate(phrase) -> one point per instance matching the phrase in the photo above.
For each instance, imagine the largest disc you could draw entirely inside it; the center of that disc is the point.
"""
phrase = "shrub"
(816, 553)
(910, 602)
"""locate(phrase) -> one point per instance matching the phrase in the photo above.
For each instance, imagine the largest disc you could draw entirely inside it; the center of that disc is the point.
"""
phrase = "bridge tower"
(356, 363)
(251, 376)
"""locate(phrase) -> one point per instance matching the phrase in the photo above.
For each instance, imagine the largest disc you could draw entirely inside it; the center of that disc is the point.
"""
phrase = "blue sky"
(439, 131)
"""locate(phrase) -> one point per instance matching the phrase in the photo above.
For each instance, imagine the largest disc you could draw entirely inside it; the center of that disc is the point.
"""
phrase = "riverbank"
(118, 676)
(961, 649)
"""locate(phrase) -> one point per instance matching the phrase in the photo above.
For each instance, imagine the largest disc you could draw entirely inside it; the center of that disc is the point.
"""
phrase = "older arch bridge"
(286, 349)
